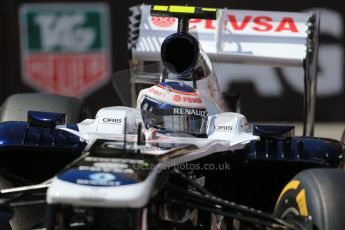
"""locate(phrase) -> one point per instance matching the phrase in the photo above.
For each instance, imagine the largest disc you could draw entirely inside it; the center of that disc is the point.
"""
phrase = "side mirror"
(45, 119)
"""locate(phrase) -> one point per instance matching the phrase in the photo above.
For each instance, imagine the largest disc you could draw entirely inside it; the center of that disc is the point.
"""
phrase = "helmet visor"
(177, 119)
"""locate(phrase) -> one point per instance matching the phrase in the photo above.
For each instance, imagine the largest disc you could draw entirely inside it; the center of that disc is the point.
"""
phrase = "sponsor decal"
(163, 21)
(185, 111)
(120, 160)
(223, 128)
(177, 98)
(196, 100)
(301, 200)
(331, 61)
(107, 165)
(91, 176)
(65, 48)
(261, 23)
(97, 168)
(156, 92)
(100, 179)
(208, 23)
(106, 120)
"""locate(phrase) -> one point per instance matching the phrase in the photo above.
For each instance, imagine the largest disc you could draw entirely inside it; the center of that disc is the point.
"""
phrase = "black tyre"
(16, 107)
(317, 193)
(342, 138)
(5, 215)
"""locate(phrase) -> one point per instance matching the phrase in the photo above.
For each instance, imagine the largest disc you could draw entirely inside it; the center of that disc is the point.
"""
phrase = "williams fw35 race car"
(180, 159)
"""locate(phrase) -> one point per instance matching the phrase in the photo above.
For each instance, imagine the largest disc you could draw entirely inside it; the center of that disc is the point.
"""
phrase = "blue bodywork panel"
(45, 119)
(97, 179)
(278, 143)
(274, 130)
(38, 143)
(322, 151)
(20, 134)
(35, 150)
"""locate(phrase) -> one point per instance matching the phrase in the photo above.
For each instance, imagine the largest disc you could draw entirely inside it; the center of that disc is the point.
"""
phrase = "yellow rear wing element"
(185, 12)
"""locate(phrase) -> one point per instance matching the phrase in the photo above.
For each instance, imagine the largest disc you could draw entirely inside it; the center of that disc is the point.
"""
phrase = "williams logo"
(65, 48)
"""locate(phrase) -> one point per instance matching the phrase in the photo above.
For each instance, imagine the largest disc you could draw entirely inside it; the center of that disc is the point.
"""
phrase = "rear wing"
(238, 36)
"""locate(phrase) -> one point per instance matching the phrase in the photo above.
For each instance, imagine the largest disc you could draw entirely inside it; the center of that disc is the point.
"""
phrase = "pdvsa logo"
(195, 100)
(239, 23)
(111, 120)
(163, 21)
(177, 98)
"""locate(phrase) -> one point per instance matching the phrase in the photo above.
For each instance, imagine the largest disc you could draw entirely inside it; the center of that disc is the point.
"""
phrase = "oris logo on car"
(111, 120)
(223, 128)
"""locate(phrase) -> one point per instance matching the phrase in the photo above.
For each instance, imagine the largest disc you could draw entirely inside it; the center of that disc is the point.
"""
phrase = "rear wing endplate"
(238, 36)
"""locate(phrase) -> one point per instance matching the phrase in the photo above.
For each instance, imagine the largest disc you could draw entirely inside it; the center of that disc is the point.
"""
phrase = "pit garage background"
(36, 45)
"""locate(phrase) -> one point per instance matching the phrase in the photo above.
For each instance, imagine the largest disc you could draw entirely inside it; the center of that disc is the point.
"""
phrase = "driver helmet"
(173, 107)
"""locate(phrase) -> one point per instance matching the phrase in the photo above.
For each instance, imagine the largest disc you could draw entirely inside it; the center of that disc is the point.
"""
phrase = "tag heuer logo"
(65, 48)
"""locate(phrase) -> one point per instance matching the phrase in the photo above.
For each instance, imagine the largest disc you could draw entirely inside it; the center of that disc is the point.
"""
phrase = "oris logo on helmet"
(163, 21)
(184, 111)
(222, 128)
(111, 120)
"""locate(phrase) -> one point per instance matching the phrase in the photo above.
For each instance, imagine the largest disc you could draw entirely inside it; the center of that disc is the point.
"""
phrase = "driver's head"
(174, 107)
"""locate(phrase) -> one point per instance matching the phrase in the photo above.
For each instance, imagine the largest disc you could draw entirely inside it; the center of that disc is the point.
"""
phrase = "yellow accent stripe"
(291, 185)
(209, 9)
(182, 9)
(160, 8)
(302, 203)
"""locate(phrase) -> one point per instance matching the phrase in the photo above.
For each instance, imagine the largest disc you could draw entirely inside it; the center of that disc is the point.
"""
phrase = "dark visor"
(176, 119)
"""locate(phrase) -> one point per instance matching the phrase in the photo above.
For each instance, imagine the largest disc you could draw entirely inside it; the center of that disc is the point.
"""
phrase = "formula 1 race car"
(179, 160)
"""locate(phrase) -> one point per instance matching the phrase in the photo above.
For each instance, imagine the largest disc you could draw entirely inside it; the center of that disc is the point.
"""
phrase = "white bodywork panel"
(137, 195)
(134, 195)
(229, 126)
(242, 36)
(110, 120)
